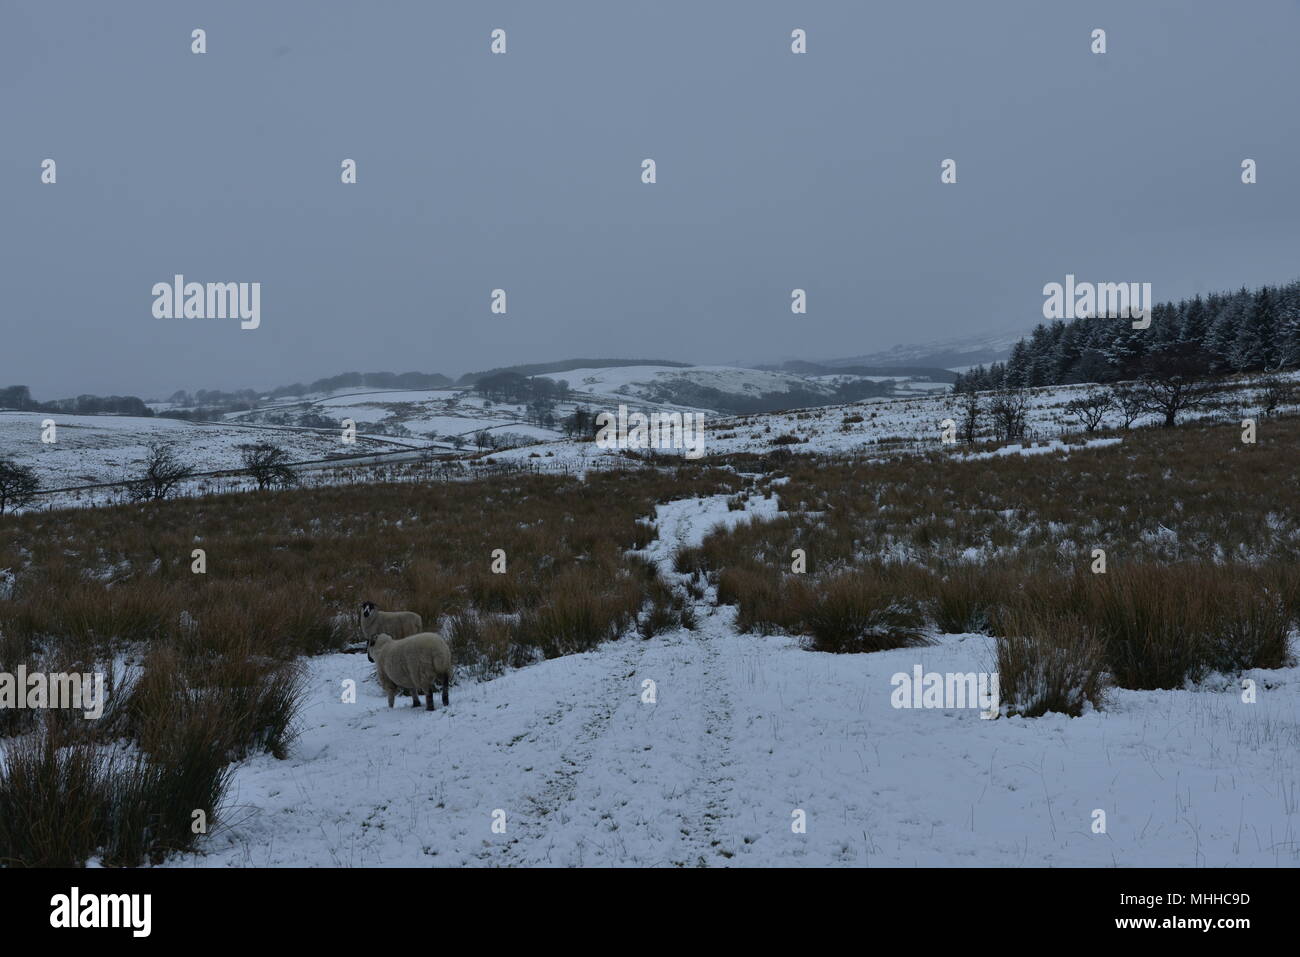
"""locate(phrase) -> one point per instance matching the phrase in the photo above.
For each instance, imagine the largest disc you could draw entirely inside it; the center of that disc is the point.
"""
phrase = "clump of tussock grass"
(856, 612)
(690, 561)
(1165, 626)
(126, 786)
(254, 700)
(1048, 662)
(481, 644)
(961, 599)
(767, 600)
(40, 772)
(660, 616)
(584, 609)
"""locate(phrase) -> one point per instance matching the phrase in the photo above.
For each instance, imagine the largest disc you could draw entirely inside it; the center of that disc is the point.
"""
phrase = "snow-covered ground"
(744, 733)
(96, 449)
(90, 449)
(640, 381)
(900, 423)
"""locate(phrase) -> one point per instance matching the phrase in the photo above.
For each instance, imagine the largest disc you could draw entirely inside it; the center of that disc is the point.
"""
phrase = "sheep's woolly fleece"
(416, 662)
(747, 730)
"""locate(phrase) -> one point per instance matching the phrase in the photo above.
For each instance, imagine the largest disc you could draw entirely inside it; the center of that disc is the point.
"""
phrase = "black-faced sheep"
(417, 662)
(399, 624)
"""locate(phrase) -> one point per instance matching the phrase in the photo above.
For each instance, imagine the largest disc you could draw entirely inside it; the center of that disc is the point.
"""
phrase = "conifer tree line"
(1220, 334)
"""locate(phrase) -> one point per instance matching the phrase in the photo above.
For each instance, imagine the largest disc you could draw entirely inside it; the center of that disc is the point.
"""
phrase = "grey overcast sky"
(522, 171)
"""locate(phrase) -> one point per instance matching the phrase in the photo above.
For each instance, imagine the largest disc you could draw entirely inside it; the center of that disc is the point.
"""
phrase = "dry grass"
(1201, 533)
(858, 611)
(1050, 662)
(286, 572)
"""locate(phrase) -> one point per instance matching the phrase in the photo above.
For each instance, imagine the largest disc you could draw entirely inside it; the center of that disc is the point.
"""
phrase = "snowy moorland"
(612, 707)
(743, 732)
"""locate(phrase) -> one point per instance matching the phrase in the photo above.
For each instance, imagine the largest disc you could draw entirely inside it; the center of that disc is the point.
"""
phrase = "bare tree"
(269, 465)
(1173, 381)
(1129, 401)
(1172, 395)
(163, 472)
(1009, 408)
(970, 415)
(484, 440)
(1274, 392)
(18, 485)
(1090, 408)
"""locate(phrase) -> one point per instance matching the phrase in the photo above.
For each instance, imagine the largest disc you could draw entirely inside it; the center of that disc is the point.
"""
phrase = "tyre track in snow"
(710, 821)
(640, 783)
(538, 812)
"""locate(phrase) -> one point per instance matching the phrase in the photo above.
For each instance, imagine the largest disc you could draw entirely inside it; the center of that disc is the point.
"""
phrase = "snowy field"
(743, 733)
(899, 423)
(96, 449)
(110, 448)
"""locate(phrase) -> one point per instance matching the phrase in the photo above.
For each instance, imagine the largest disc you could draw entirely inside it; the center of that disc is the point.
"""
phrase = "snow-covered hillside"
(894, 424)
(657, 385)
(433, 416)
(645, 381)
(952, 353)
(91, 449)
(397, 426)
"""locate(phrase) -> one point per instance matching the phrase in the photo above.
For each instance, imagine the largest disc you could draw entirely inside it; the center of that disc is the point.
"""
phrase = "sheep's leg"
(446, 697)
(415, 700)
(392, 696)
(429, 698)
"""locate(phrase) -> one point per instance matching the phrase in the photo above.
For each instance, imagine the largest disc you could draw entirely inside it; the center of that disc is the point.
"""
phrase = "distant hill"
(567, 365)
(955, 353)
(366, 380)
(801, 367)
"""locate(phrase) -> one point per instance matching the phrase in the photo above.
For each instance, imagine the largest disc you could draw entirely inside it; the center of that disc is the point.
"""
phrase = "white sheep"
(399, 624)
(417, 662)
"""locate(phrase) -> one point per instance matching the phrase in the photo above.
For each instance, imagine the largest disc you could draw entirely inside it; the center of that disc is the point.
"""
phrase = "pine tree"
(1288, 327)
(1018, 364)
(1194, 322)
(1255, 347)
